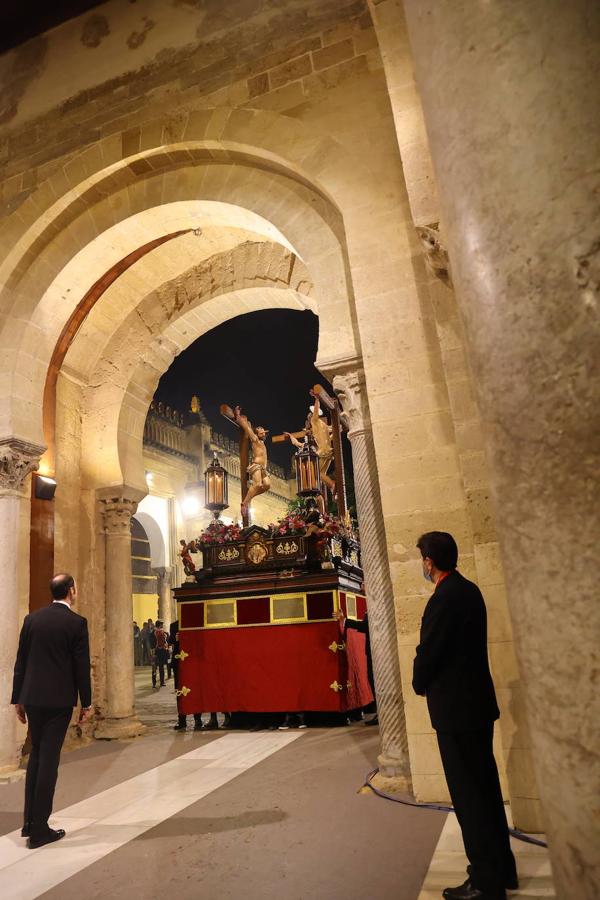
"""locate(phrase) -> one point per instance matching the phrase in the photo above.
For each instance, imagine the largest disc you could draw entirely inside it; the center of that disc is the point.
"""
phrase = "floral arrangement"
(294, 523)
(219, 533)
(290, 524)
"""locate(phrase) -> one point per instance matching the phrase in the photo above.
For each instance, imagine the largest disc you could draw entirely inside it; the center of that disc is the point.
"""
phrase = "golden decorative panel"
(220, 613)
(288, 608)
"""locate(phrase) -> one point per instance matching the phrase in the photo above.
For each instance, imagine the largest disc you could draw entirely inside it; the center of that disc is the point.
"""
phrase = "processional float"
(258, 626)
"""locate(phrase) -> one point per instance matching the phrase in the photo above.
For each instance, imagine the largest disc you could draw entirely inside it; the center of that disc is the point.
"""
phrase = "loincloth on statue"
(325, 460)
(255, 467)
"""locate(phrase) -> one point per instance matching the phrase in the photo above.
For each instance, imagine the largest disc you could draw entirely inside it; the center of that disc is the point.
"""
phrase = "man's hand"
(339, 615)
(85, 714)
(20, 711)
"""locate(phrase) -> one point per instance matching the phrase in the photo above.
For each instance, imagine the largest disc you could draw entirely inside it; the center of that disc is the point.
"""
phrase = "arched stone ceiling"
(131, 338)
(291, 214)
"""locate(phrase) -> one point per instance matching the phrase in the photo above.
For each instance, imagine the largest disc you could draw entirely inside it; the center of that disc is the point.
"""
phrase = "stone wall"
(284, 110)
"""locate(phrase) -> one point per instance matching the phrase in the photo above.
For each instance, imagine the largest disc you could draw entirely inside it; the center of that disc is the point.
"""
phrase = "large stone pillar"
(510, 104)
(120, 720)
(17, 460)
(393, 761)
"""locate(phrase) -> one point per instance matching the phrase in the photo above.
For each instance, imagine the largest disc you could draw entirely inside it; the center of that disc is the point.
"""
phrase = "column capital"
(350, 389)
(117, 513)
(18, 459)
(163, 573)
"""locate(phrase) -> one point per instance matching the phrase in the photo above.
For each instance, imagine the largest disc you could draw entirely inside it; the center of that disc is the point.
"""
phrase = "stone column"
(163, 585)
(511, 112)
(393, 761)
(120, 720)
(17, 460)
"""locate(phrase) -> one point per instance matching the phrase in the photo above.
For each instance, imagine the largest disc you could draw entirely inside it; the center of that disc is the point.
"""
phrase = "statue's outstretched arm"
(316, 409)
(293, 439)
(244, 424)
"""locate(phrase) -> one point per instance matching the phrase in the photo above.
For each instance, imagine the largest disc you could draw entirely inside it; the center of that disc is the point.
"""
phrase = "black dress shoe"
(26, 829)
(511, 882)
(47, 838)
(179, 727)
(466, 891)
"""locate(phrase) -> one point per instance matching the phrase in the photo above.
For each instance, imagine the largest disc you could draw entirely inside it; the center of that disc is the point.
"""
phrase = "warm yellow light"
(190, 505)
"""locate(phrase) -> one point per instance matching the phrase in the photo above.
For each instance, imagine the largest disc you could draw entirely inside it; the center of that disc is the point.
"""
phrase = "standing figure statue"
(258, 475)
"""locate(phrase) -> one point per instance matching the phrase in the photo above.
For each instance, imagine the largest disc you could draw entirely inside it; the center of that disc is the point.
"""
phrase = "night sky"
(263, 360)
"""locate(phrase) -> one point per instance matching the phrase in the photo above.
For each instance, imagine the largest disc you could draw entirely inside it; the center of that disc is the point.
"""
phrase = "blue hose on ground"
(514, 832)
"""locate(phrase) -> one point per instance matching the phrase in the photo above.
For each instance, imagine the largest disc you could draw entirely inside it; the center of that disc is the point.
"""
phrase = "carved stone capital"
(116, 515)
(350, 390)
(17, 460)
(163, 575)
(436, 254)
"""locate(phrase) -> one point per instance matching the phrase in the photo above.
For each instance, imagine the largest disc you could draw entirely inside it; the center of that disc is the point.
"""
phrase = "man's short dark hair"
(441, 549)
(60, 585)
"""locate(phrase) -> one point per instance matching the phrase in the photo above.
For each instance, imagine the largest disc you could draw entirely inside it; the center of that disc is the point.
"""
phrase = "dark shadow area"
(196, 826)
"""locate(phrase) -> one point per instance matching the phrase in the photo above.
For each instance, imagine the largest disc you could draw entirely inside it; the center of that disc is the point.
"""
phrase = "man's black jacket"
(53, 660)
(451, 666)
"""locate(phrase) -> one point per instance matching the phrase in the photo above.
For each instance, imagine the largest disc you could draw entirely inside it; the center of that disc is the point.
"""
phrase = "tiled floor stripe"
(106, 821)
(449, 863)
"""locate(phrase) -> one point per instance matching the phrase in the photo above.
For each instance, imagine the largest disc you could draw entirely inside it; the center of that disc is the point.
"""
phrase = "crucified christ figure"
(258, 476)
(317, 428)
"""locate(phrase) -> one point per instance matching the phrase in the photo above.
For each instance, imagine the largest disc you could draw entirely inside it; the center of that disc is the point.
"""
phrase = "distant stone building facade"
(175, 458)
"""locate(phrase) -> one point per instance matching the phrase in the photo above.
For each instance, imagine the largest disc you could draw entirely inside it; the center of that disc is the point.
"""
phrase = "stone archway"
(258, 161)
(279, 192)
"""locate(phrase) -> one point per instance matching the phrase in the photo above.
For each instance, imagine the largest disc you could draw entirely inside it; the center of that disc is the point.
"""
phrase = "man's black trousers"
(472, 776)
(47, 728)
(160, 661)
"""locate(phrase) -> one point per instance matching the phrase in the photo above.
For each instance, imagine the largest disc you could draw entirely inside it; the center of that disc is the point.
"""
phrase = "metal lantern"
(215, 487)
(308, 475)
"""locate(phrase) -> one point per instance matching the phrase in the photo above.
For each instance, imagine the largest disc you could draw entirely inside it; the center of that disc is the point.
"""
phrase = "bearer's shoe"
(179, 727)
(48, 837)
(511, 883)
(466, 891)
(26, 829)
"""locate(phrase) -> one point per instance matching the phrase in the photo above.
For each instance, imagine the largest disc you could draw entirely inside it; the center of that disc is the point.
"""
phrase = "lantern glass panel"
(308, 476)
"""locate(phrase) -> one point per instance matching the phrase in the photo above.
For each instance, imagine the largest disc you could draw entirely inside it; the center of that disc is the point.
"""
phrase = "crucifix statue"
(327, 439)
(259, 481)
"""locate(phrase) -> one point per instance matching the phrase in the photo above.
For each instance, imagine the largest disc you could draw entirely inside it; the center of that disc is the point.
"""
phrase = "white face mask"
(427, 575)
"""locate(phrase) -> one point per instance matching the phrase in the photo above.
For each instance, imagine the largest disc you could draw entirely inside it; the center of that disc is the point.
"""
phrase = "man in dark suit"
(451, 669)
(52, 668)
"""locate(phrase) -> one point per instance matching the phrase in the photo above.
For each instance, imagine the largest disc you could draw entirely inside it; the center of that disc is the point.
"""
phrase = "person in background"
(137, 645)
(160, 648)
(451, 670)
(51, 670)
(147, 640)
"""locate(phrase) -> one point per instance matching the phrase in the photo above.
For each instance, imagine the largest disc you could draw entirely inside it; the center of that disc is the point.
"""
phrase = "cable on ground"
(514, 832)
